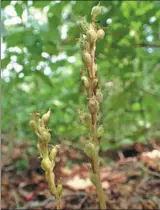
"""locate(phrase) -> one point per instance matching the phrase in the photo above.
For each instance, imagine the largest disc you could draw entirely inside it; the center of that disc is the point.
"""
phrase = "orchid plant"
(91, 33)
(40, 128)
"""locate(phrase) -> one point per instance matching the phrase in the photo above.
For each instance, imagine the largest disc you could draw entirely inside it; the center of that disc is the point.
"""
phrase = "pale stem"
(95, 165)
(51, 182)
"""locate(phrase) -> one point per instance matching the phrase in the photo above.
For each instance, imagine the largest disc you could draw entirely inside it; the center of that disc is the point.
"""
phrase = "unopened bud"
(46, 117)
(96, 11)
(100, 131)
(91, 34)
(93, 105)
(33, 124)
(83, 42)
(85, 118)
(90, 150)
(53, 153)
(86, 58)
(100, 34)
(85, 81)
(46, 136)
(99, 95)
(36, 116)
(84, 45)
(60, 189)
(95, 82)
(46, 164)
(83, 24)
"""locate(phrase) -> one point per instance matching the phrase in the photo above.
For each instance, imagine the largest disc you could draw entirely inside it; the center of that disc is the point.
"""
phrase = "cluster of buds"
(85, 118)
(93, 105)
(96, 11)
(85, 81)
(100, 132)
(99, 95)
(39, 126)
(91, 34)
(91, 150)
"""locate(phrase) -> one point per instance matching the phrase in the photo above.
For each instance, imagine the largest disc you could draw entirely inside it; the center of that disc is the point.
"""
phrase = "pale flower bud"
(95, 82)
(85, 118)
(99, 95)
(100, 34)
(60, 189)
(83, 24)
(100, 131)
(86, 58)
(53, 153)
(46, 117)
(83, 42)
(46, 164)
(96, 11)
(84, 45)
(91, 34)
(93, 105)
(46, 136)
(85, 81)
(36, 116)
(90, 150)
(33, 124)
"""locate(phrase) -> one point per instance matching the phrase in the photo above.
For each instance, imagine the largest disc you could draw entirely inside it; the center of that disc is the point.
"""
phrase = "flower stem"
(98, 185)
(51, 182)
(92, 33)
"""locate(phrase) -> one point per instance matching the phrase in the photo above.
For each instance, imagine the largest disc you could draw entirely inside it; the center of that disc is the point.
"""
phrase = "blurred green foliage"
(41, 61)
(21, 164)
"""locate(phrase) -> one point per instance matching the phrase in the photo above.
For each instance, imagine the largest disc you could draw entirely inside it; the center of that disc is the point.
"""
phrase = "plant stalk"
(95, 168)
(100, 191)
(51, 182)
(92, 33)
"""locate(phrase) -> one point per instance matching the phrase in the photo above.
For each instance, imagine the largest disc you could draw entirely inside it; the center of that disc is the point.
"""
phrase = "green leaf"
(44, 78)
(40, 4)
(5, 62)
(15, 37)
(19, 9)
(5, 3)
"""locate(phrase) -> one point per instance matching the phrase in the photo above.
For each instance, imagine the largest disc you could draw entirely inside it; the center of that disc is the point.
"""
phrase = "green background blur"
(41, 61)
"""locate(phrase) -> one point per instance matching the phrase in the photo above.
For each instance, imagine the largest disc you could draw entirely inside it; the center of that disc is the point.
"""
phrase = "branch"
(148, 45)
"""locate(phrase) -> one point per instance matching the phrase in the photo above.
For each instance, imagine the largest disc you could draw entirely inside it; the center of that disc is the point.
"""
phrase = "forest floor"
(131, 180)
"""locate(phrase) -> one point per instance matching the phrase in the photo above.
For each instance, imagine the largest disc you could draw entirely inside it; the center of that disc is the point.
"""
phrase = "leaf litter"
(131, 182)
